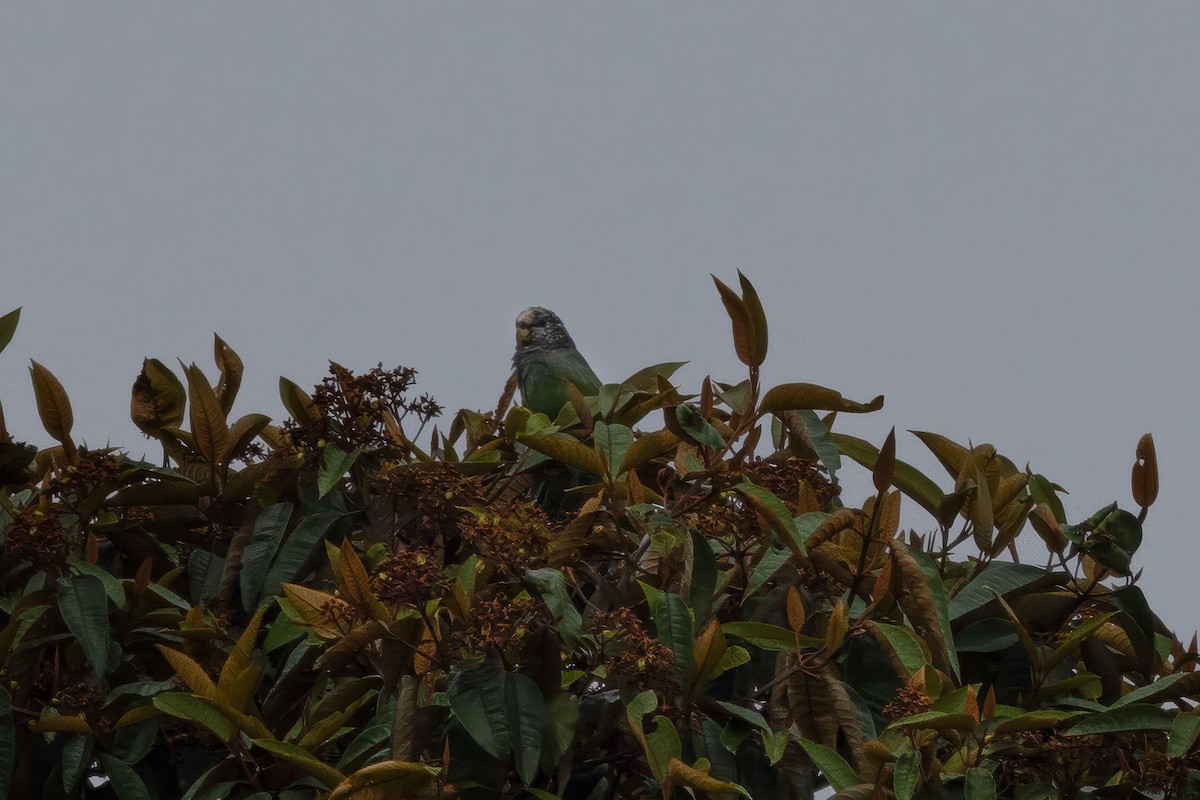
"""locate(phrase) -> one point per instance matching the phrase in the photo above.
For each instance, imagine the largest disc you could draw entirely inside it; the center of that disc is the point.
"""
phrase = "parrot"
(545, 360)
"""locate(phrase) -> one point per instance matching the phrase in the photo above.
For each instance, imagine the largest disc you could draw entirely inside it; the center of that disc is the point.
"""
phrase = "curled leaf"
(1145, 473)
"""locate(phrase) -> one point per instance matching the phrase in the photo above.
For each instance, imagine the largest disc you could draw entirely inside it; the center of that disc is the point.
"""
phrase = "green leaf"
(526, 724)
(1184, 730)
(8, 326)
(1135, 717)
(76, 756)
(801, 396)
(612, 442)
(822, 440)
(935, 721)
(302, 759)
(905, 644)
(476, 694)
(835, 769)
(297, 403)
(766, 636)
(112, 585)
(553, 588)
(980, 785)
(673, 626)
(989, 635)
(264, 541)
(361, 747)
(774, 745)
(775, 512)
(84, 608)
(126, 783)
(190, 707)
(663, 745)
(1036, 721)
(704, 576)
(771, 562)
(1072, 642)
(696, 426)
(1166, 688)
(999, 577)
(335, 463)
(746, 715)
(907, 775)
(1043, 491)
(646, 379)
(297, 548)
(906, 478)
(8, 747)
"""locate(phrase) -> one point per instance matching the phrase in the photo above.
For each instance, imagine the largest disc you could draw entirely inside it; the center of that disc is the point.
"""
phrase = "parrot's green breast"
(543, 378)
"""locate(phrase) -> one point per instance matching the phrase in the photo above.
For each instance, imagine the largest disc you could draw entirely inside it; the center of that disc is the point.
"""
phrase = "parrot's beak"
(523, 335)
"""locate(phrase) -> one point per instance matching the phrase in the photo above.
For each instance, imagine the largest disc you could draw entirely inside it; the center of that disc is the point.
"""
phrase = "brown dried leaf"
(1145, 473)
(743, 330)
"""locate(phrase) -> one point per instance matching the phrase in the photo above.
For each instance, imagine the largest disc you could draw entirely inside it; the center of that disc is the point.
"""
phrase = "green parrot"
(546, 359)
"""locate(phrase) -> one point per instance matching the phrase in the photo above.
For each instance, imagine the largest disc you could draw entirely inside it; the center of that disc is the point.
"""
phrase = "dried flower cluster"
(93, 468)
(39, 538)
(784, 479)
(513, 537)
(438, 493)
(407, 577)
(910, 699)
(500, 624)
(632, 656)
(352, 407)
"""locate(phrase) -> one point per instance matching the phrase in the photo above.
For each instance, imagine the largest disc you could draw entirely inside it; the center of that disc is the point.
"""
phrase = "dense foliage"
(627, 601)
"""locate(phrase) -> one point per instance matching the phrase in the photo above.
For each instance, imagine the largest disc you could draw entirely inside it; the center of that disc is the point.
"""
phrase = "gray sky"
(987, 213)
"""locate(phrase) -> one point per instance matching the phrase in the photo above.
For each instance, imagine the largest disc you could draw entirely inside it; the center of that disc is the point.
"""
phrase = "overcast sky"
(986, 213)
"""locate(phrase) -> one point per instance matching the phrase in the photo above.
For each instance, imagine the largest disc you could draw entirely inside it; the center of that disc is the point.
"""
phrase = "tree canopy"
(375, 599)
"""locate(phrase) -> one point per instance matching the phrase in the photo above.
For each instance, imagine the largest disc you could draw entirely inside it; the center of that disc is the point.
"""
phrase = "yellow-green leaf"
(8, 326)
(230, 366)
(385, 779)
(566, 450)
(158, 398)
(189, 671)
(53, 406)
(209, 429)
(298, 757)
(801, 396)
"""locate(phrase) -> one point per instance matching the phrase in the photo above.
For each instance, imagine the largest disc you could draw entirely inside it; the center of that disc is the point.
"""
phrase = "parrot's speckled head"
(541, 329)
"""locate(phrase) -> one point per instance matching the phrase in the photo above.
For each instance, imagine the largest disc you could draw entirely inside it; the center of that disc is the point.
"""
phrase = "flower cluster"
(784, 479)
(352, 407)
(93, 468)
(436, 495)
(910, 699)
(40, 538)
(512, 537)
(501, 624)
(632, 656)
(407, 577)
